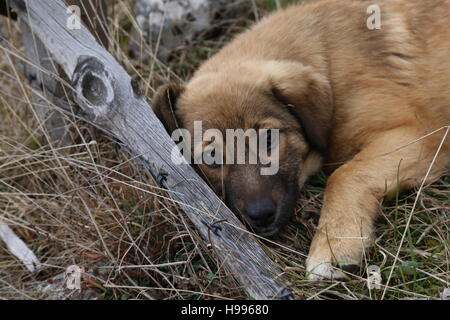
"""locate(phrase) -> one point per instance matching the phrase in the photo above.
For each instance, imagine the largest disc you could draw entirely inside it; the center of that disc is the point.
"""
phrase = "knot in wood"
(94, 88)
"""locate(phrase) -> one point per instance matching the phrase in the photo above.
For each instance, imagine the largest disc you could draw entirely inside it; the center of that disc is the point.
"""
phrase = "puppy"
(366, 102)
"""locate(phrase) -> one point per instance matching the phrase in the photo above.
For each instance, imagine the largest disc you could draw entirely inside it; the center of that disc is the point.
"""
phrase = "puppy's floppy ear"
(308, 96)
(164, 105)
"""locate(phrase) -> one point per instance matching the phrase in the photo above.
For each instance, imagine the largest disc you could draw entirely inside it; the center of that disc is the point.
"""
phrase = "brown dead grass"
(90, 205)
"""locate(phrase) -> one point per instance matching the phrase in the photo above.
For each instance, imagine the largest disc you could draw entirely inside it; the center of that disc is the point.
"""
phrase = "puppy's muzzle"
(261, 213)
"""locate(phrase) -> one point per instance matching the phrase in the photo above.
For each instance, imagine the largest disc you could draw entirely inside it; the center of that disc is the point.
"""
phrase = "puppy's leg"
(355, 190)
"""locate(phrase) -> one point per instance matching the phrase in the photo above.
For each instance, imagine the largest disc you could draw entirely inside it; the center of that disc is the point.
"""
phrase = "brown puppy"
(339, 92)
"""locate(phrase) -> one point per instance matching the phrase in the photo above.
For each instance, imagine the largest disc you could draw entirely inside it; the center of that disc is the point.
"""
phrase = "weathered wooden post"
(103, 91)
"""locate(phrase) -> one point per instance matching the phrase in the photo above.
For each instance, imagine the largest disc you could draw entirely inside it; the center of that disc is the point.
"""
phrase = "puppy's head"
(286, 96)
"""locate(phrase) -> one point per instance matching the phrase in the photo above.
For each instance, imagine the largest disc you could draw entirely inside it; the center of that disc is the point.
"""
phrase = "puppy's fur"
(363, 100)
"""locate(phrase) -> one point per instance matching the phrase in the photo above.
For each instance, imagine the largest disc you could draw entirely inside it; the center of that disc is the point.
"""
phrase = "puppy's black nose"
(261, 213)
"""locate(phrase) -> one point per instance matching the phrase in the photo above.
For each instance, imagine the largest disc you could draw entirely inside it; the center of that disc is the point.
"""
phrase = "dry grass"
(89, 205)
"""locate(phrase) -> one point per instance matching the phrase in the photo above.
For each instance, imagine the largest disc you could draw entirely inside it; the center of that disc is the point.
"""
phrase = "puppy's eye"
(269, 140)
(213, 165)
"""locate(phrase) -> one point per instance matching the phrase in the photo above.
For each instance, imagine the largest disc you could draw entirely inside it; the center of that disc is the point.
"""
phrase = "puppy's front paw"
(332, 258)
(328, 270)
(323, 271)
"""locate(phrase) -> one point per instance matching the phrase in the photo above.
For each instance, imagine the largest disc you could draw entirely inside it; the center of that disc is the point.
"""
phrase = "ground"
(88, 205)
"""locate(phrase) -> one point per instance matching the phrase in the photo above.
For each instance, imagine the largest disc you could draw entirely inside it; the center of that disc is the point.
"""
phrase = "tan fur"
(366, 95)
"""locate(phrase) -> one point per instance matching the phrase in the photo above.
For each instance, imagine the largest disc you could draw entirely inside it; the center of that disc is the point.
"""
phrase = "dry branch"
(18, 248)
(103, 91)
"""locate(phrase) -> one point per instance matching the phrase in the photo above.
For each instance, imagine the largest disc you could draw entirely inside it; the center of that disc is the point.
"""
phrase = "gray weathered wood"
(42, 68)
(38, 71)
(104, 92)
(18, 248)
